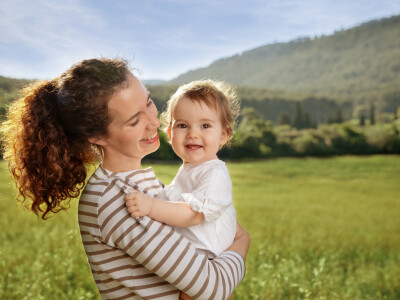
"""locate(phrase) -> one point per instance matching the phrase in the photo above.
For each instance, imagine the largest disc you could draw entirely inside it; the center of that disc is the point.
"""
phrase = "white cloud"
(56, 33)
(35, 22)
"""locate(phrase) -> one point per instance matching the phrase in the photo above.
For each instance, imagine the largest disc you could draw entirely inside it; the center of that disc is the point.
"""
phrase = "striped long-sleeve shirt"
(145, 259)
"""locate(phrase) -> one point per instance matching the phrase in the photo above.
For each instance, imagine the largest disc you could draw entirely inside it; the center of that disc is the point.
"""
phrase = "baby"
(199, 121)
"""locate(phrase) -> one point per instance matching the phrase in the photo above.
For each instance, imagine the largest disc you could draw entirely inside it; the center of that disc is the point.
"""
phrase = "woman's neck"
(118, 164)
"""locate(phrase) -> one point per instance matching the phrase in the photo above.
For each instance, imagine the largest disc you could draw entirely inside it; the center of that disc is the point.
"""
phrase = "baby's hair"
(215, 94)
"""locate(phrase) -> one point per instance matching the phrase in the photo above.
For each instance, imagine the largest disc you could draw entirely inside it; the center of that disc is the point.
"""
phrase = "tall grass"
(320, 229)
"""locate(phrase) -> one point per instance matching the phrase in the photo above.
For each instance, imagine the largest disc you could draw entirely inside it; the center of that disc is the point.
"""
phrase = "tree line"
(284, 107)
(256, 137)
(280, 123)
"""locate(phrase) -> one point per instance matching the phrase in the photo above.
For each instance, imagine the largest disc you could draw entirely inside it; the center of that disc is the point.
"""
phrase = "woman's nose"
(152, 117)
(155, 121)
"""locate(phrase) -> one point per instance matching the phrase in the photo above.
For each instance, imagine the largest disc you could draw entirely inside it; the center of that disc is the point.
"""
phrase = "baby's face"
(196, 131)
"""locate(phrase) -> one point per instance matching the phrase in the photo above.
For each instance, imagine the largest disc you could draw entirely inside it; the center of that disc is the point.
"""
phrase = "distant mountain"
(154, 81)
(345, 72)
(361, 64)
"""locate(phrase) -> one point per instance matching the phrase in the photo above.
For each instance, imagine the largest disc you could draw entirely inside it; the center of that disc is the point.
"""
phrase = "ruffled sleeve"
(213, 193)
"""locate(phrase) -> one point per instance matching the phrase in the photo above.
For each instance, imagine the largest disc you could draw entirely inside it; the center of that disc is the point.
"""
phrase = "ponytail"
(46, 134)
(46, 169)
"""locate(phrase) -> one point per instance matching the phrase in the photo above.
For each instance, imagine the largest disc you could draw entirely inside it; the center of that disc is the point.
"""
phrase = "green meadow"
(320, 229)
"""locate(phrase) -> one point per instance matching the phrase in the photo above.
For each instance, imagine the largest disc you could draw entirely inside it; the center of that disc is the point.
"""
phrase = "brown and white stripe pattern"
(145, 259)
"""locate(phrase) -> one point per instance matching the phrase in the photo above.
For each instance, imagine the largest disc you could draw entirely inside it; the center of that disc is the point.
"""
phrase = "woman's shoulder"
(103, 177)
(108, 185)
(96, 184)
(99, 182)
(103, 186)
(101, 174)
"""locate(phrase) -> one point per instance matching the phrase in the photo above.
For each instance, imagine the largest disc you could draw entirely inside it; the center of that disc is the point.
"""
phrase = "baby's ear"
(169, 132)
(224, 137)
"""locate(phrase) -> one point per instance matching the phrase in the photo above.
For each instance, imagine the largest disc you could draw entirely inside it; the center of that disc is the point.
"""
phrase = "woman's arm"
(177, 214)
(168, 254)
(241, 243)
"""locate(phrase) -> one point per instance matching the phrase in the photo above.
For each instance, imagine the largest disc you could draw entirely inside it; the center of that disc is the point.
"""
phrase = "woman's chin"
(153, 147)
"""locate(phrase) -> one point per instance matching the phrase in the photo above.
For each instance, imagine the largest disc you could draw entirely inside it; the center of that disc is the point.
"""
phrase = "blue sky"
(162, 39)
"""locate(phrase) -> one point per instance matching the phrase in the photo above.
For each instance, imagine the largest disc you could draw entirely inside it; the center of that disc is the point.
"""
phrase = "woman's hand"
(183, 296)
(138, 204)
(240, 245)
(241, 242)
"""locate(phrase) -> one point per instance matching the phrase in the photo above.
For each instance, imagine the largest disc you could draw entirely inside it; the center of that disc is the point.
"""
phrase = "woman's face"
(132, 133)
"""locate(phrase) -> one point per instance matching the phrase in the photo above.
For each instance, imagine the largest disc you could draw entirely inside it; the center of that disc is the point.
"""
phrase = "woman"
(98, 111)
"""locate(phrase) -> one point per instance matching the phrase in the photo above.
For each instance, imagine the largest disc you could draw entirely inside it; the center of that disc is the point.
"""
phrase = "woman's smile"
(151, 139)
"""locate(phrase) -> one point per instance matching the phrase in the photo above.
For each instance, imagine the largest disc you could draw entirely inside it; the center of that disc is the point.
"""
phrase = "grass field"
(320, 229)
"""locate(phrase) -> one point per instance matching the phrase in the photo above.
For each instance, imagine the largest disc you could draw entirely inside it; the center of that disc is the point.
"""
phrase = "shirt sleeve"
(212, 195)
(165, 252)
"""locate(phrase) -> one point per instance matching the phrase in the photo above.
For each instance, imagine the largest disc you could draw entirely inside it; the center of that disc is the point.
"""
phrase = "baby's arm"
(177, 214)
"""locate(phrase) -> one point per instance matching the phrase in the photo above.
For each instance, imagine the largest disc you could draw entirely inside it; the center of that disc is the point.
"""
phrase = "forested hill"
(9, 89)
(361, 63)
(347, 71)
(9, 85)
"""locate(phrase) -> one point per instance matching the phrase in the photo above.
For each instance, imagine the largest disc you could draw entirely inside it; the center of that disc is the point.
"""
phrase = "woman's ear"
(100, 141)
(169, 132)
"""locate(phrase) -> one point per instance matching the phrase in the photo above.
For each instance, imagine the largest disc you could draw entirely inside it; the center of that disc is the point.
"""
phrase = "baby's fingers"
(131, 192)
(131, 204)
(134, 214)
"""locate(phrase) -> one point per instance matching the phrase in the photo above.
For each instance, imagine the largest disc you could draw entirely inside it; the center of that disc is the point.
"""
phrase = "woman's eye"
(181, 125)
(134, 123)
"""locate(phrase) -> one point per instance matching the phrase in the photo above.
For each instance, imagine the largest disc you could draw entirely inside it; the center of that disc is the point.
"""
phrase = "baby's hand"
(138, 204)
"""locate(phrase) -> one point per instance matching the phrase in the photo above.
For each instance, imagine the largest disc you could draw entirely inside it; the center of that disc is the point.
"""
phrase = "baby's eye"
(181, 125)
(205, 126)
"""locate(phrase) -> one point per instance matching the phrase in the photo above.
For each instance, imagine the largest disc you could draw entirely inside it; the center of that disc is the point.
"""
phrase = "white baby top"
(207, 188)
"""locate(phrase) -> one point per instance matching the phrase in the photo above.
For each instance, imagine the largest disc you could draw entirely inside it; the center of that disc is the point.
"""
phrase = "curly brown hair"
(45, 136)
